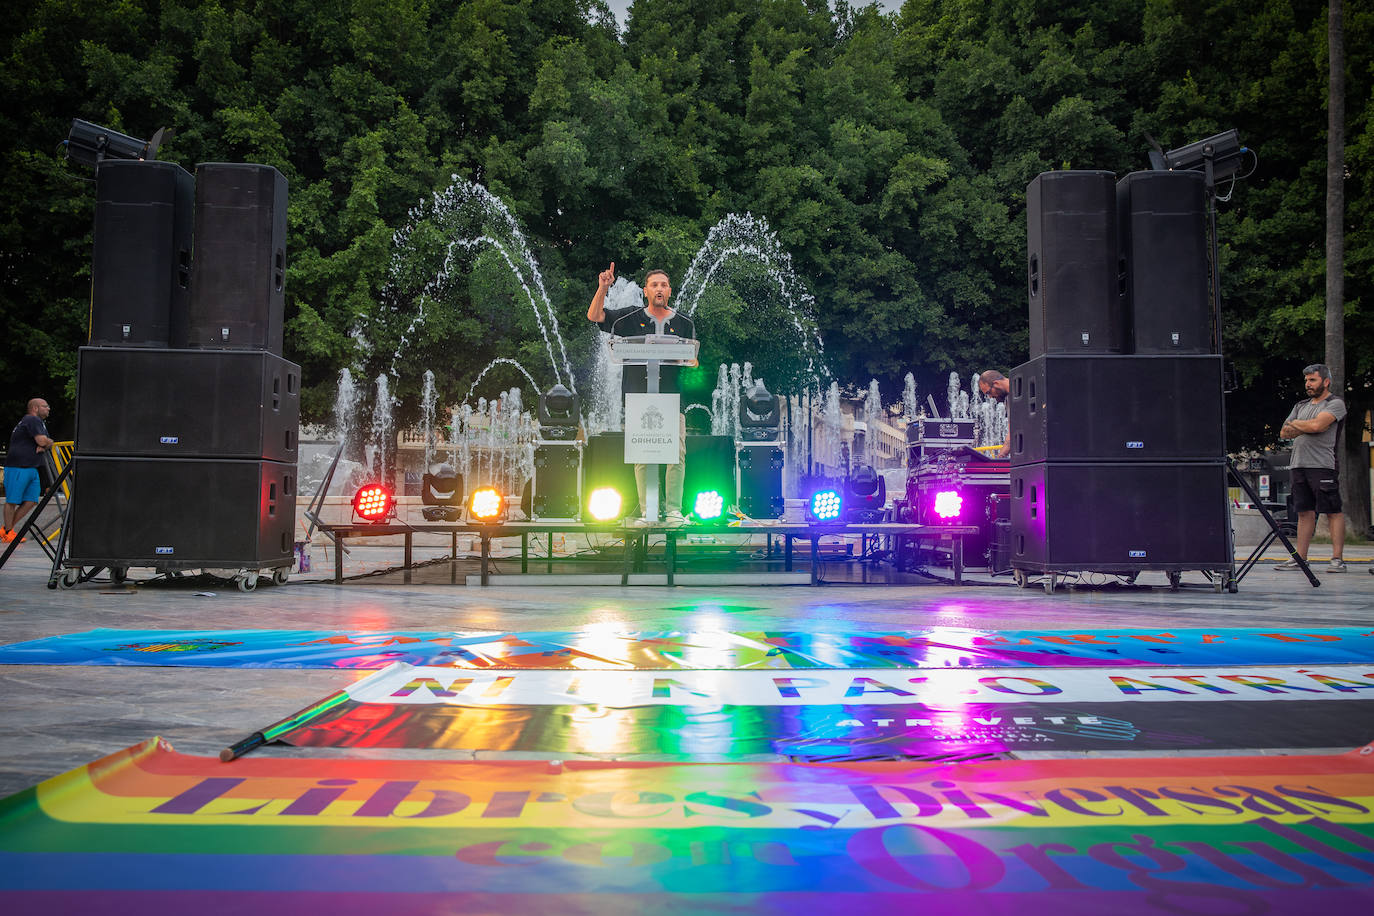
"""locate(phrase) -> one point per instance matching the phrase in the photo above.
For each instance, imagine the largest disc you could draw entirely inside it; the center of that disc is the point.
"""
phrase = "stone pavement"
(56, 718)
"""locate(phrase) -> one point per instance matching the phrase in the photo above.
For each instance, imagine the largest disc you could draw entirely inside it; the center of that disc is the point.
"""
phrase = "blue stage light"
(825, 505)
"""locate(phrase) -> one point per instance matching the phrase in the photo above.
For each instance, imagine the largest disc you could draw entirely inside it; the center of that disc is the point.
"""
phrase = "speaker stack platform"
(1118, 461)
(187, 413)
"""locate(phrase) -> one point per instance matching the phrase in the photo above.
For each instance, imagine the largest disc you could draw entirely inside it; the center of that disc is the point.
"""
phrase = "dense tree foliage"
(890, 153)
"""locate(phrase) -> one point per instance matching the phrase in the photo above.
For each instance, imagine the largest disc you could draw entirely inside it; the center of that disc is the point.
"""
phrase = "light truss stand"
(1275, 532)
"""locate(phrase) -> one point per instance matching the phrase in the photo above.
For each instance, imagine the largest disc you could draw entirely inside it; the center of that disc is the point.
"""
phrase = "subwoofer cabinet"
(179, 513)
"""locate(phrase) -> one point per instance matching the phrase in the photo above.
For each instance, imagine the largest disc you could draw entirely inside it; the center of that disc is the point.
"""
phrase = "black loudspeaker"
(710, 466)
(179, 513)
(556, 481)
(1117, 408)
(187, 404)
(603, 465)
(1162, 232)
(238, 293)
(141, 254)
(760, 481)
(1119, 516)
(1075, 303)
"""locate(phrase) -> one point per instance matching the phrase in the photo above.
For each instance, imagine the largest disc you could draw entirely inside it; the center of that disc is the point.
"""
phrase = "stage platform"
(636, 548)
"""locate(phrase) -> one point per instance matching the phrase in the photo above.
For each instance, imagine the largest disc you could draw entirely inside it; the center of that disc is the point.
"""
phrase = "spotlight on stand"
(605, 504)
(441, 495)
(374, 503)
(486, 505)
(824, 506)
(865, 496)
(1223, 150)
(89, 143)
(760, 414)
(558, 414)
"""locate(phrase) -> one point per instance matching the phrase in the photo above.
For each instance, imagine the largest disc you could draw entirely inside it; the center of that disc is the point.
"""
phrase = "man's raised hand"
(607, 277)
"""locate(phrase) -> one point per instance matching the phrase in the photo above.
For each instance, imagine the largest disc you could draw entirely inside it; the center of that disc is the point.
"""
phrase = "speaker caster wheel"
(1174, 579)
(119, 574)
(247, 583)
(280, 575)
(1019, 577)
(70, 577)
(1049, 584)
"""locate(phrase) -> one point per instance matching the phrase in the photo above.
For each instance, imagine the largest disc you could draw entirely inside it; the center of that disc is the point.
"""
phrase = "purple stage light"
(948, 504)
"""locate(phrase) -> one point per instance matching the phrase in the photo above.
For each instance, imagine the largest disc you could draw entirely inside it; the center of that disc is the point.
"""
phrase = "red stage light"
(374, 502)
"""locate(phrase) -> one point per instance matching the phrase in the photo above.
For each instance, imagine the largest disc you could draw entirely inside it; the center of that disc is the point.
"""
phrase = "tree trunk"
(1355, 457)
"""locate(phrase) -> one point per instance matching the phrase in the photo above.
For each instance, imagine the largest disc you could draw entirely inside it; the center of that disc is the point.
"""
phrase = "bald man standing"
(28, 442)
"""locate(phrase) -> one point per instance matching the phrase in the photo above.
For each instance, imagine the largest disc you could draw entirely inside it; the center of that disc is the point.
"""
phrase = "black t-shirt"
(23, 451)
(636, 322)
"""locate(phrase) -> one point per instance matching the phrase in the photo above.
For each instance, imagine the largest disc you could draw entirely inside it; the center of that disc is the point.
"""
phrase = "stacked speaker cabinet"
(187, 414)
(238, 294)
(1117, 423)
(141, 254)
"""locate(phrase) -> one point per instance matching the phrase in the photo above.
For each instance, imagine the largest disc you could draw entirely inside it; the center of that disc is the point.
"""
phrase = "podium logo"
(651, 419)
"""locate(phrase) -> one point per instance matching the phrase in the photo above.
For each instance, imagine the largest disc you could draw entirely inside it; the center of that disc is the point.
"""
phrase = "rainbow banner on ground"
(819, 713)
(148, 830)
(935, 647)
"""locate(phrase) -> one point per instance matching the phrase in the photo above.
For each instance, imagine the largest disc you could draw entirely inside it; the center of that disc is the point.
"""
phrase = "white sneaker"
(1287, 565)
(1337, 565)
(638, 522)
(674, 518)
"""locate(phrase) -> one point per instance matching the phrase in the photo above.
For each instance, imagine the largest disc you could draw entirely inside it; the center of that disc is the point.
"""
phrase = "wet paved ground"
(56, 718)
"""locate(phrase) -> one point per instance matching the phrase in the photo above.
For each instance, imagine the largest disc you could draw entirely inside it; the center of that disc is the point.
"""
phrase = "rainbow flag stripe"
(148, 827)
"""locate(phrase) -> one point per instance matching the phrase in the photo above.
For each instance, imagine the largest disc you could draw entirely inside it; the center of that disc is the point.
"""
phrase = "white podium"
(653, 351)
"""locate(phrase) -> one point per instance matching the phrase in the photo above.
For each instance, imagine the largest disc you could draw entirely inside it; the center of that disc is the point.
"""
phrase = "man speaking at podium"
(655, 317)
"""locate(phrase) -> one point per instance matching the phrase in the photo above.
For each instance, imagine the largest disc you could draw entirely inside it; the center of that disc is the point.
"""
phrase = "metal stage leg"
(956, 557)
(453, 558)
(409, 556)
(524, 552)
(815, 559)
(629, 539)
(670, 553)
(486, 555)
(787, 553)
(548, 567)
(338, 558)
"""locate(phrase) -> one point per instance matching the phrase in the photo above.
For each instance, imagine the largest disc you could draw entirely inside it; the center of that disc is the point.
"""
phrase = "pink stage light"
(948, 504)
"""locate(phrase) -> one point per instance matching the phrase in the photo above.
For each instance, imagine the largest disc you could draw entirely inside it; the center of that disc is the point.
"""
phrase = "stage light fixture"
(89, 143)
(604, 504)
(374, 503)
(708, 505)
(825, 505)
(948, 505)
(441, 495)
(865, 495)
(486, 505)
(558, 419)
(1224, 150)
(760, 414)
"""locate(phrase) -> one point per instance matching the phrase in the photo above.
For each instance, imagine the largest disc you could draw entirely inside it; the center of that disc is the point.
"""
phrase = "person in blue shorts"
(28, 442)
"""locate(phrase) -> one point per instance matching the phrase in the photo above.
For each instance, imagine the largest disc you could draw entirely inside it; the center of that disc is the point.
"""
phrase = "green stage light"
(604, 504)
(709, 504)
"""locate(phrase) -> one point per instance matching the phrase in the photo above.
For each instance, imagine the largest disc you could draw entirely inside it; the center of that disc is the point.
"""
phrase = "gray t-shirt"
(1316, 450)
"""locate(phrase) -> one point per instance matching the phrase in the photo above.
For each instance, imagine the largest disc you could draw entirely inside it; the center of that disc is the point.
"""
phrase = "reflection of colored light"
(373, 502)
(709, 504)
(604, 504)
(485, 503)
(825, 505)
(948, 504)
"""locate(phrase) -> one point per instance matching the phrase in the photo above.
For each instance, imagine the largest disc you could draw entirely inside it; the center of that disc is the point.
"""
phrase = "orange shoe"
(7, 535)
